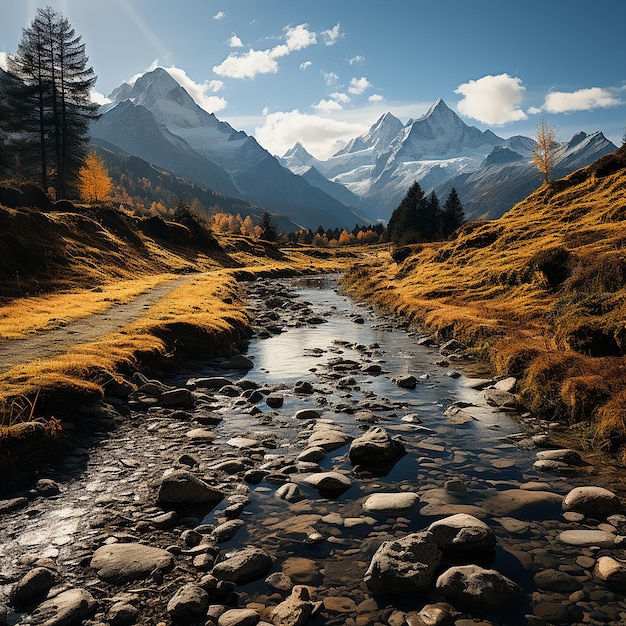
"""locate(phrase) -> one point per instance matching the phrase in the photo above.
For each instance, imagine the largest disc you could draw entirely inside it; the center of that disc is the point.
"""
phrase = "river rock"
(180, 488)
(611, 572)
(227, 530)
(404, 566)
(182, 398)
(295, 610)
(239, 617)
(452, 346)
(290, 492)
(555, 580)
(239, 362)
(506, 384)
(563, 455)
(312, 455)
(327, 437)
(69, 607)
(274, 400)
(244, 566)
(47, 487)
(329, 482)
(500, 399)
(476, 587)
(595, 502)
(303, 388)
(13, 504)
(407, 382)
(213, 383)
(376, 447)
(35, 584)
(391, 503)
(462, 532)
(307, 414)
(122, 614)
(188, 603)
(122, 562)
(200, 435)
(587, 538)
(511, 502)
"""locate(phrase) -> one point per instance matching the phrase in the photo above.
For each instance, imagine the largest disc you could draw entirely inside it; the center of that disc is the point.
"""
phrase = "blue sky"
(322, 71)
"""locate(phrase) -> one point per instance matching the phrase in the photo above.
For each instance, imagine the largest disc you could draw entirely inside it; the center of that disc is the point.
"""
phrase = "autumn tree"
(54, 95)
(94, 182)
(544, 151)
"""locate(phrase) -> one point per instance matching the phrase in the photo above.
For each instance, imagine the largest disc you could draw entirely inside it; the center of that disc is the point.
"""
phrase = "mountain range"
(157, 120)
(439, 150)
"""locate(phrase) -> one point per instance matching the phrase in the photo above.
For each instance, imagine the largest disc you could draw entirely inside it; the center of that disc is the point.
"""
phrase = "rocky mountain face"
(157, 120)
(440, 150)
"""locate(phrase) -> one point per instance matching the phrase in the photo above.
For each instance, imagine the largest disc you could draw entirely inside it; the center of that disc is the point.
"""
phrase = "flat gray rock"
(244, 566)
(391, 503)
(462, 533)
(69, 607)
(332, 482)
(180, 488)
(376, 447)
(189, 603)
(122, 562)
(587, 538)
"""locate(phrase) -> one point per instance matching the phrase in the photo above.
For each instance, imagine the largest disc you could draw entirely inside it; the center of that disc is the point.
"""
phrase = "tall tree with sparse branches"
(544, 152)
(51, 65)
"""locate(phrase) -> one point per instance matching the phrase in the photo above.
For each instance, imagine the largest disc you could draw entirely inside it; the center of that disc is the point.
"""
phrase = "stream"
(314, 349)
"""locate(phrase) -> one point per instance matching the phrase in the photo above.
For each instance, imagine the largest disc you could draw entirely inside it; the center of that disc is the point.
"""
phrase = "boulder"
(122, 562)
(461, 533)
(404, 566)
(295, 610)
(595, 502)
(307, 414)
(391, 504)
(238, 617)
(376, 448)
(69, 607)
(189, 603)
(240, 362)
(476, 587)
(182, 488)
(407, 382)
(244, 566)
(500, 399)
(35, 584)
(611, 572)
(329, 482)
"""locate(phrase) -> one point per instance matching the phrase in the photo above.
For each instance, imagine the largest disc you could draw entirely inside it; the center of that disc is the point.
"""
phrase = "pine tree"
(429, 218)
(403, 226)
(94, 182)
(269, 232)
(452, 216)
(55, 101)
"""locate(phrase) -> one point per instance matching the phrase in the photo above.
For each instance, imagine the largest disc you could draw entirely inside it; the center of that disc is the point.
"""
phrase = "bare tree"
(544, 152)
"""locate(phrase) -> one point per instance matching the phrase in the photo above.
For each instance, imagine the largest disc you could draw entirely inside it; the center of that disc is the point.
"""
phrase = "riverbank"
(263, 489)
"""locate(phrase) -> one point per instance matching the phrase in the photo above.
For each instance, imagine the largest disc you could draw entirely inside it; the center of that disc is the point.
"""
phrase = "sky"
(323, 71)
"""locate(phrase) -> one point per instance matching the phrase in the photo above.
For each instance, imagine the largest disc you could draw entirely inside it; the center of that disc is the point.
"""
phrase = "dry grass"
(542, 291)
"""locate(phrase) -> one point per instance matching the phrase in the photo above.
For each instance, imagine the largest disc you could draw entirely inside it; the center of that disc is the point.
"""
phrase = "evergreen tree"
(267, 225)
(403, 225)
(429, 218)
(51, 65)
(452, 216)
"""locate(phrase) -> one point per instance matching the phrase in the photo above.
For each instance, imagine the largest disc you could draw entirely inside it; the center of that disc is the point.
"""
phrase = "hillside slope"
(542, 291)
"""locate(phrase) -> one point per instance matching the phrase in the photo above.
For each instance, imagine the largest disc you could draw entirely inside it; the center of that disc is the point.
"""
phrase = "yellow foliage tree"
(94, 182)
(543, 154)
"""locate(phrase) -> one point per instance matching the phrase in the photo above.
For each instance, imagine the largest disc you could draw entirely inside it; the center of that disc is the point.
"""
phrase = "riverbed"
(345, 363)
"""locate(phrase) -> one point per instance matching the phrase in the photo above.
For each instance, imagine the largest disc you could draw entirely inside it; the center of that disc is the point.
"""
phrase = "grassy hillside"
(60, 266)
(541, 292)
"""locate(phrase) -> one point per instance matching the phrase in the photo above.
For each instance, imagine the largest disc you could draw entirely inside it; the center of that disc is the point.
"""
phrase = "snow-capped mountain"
(379, 166)
(157, 120)
(507, 177)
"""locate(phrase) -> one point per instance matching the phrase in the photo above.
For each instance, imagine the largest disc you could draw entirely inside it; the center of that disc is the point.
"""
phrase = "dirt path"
(51, 343)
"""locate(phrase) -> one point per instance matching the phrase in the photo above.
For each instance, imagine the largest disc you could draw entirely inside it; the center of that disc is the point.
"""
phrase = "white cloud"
(254, 62)
(581, 100)
(235, 42)
(333, 35)
(299, 37)
(344, 98)
(375, 98)
(533, 111)
(96, 96)
(220, 15)
(330, 78)
(3, 60)
(358, 86)
(306, 65)
(247, 65)
(492, 99)
(356, 59)
(328, 105)
(200, 91)
(281, 130)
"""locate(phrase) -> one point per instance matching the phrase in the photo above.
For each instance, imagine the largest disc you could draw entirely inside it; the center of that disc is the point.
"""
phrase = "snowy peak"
(297, 156)
(377, 138)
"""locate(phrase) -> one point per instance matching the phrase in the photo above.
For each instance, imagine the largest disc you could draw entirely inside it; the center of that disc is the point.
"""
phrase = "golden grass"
(542, 291)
